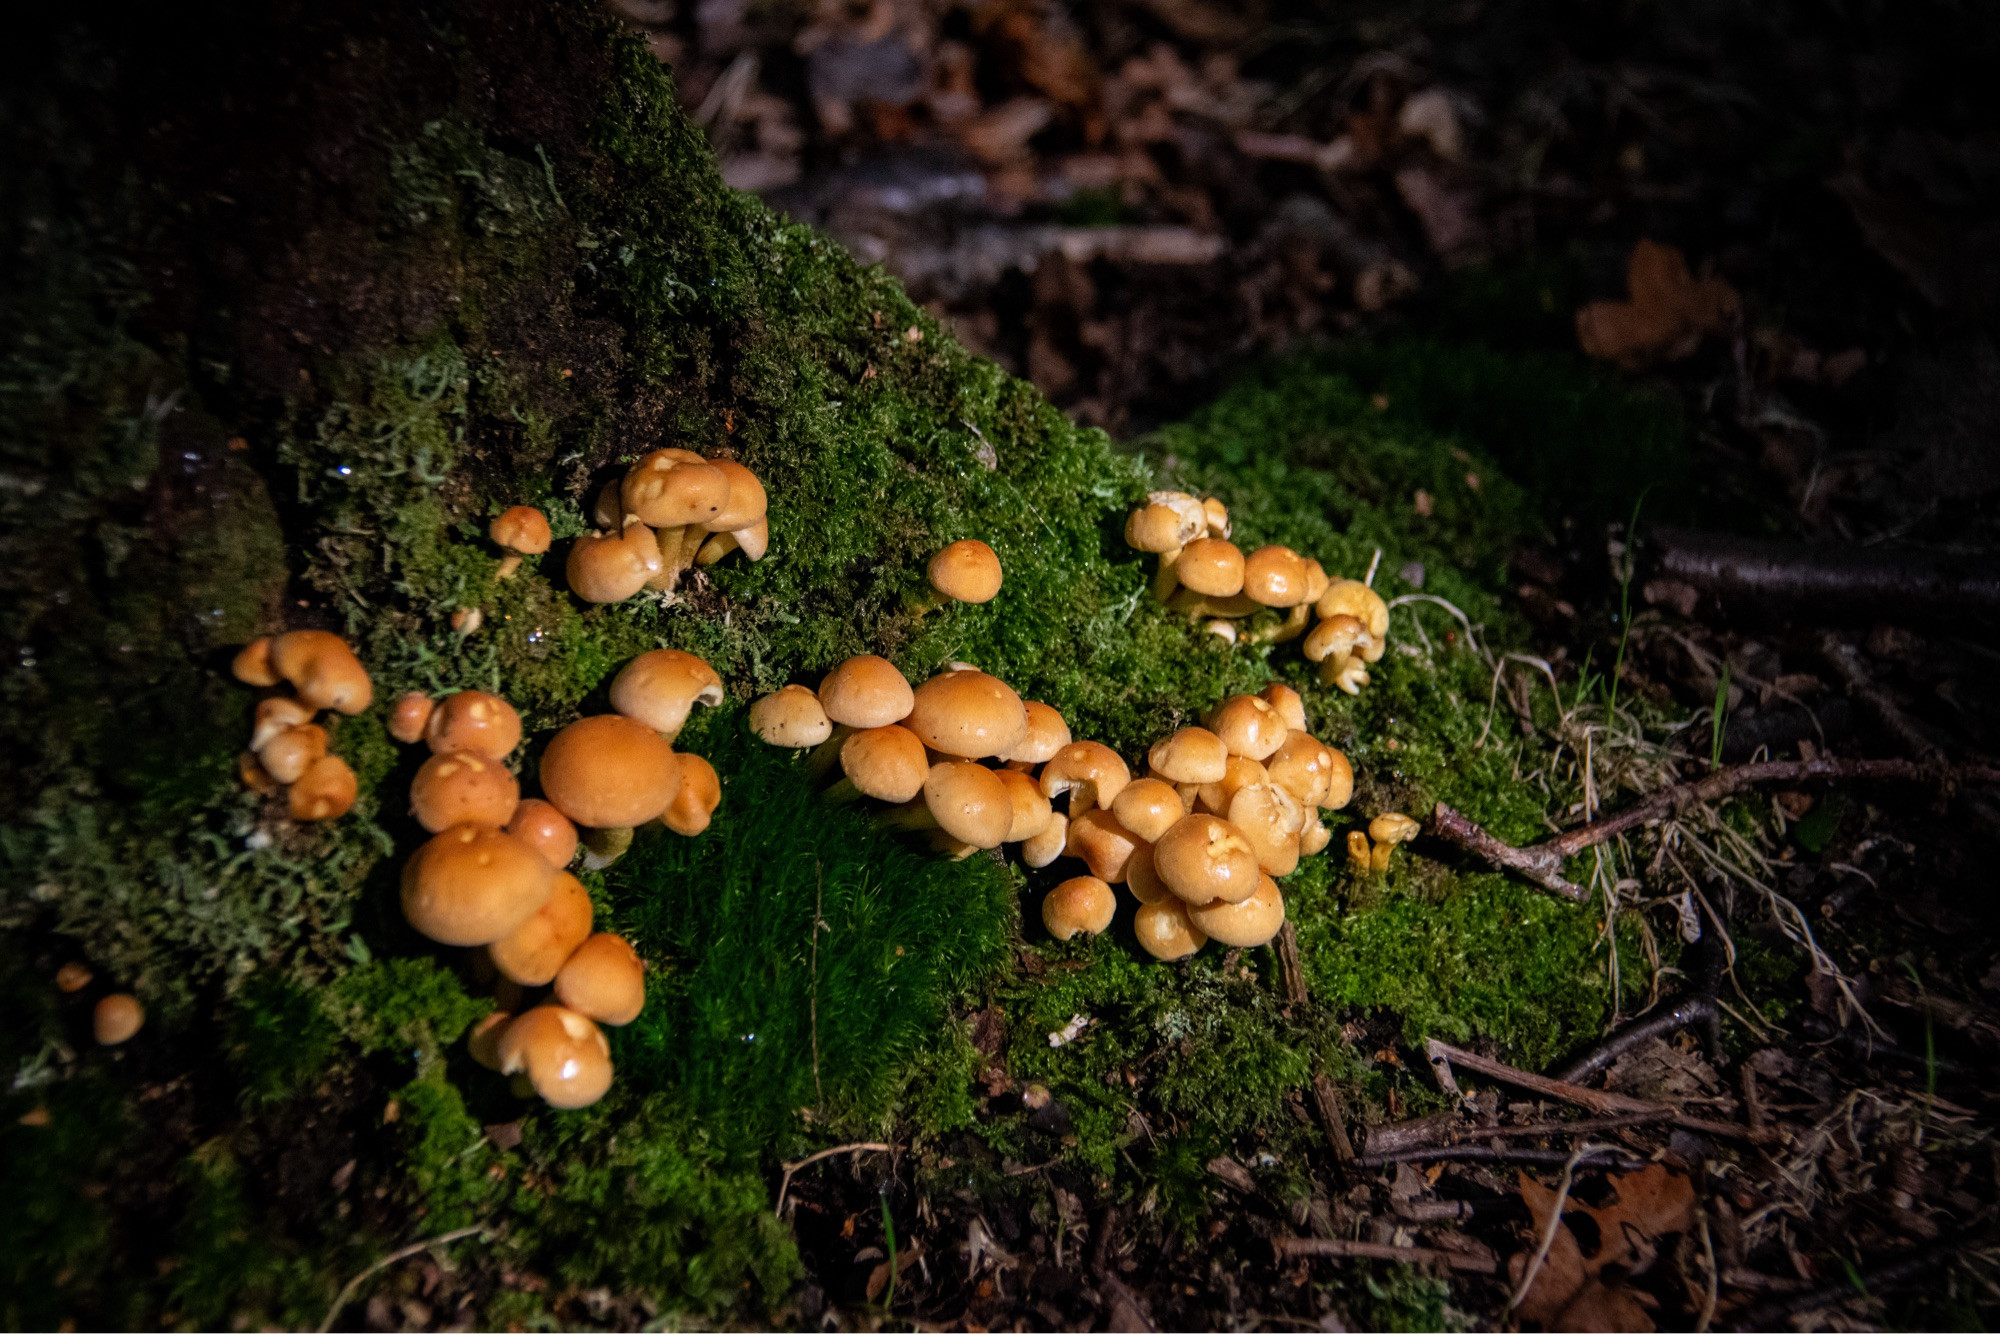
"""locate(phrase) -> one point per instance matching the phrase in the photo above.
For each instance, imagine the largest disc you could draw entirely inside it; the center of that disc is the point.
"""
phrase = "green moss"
(280, 1038)
(402, 1005)
(227, 1261)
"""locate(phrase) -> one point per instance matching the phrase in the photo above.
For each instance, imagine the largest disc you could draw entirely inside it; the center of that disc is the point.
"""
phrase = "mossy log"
(298, 297)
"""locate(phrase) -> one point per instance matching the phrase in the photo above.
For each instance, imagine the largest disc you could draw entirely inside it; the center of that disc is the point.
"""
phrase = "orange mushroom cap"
(969, 802)
(532, 952)
(545, 829)
(866, 691)
(968, 714)
(613, 566)
(672, 488)
(746, 504)
(1204, 858)
(610, 772)
(1088, 772)
(701, 792)
(1080, 904)
(887, 763)
(563, 1055)
(1248, 726)
(1253, 922)
(966, 571)
(323, 669)
(1166, 931)
(472, 884)
(463, 788)
(603, 980)
(522, 528)
(475, 722)
(325, 791)
(662, 687)
(410, 715)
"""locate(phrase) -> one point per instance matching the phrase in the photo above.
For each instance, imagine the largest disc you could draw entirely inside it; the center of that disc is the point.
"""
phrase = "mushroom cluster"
(671, 510)
(1371, 851)
(288, 749)
(1202, 573)
(493, 876)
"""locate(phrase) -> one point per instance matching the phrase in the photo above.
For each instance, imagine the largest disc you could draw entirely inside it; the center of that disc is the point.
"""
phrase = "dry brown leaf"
(1647, 1205)
(1601, 1306)
(1556, 1283)
(1669, 313)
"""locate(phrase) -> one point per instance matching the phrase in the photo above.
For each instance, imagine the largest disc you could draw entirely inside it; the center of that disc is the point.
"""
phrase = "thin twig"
(1655, 1023)
(1416, 1137)
(1548, 1238)
(1714, 1293)
(793, 1169)
(812, 1001)
(1292, 1248)
(1607, 1104)
(392, 1258)
(1332, 1117)
(1601, 1156)
(1290, 970)
(1845, 660)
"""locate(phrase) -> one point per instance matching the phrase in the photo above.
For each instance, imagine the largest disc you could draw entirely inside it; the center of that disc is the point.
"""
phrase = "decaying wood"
(1597, 1100)
(1836, 582)
(1414, 1138)
(1290, 970)
(1624, 1159)
(1332, 1117)
(1293, 1248)
(1655, 1023)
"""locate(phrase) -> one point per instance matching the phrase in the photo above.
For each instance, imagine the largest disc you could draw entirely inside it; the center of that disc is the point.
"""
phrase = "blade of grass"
(889, 1234)
(1718, 717)
(1624, 606)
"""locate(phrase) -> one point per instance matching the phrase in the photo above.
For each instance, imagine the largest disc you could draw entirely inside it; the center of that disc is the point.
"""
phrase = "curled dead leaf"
(1669, 313)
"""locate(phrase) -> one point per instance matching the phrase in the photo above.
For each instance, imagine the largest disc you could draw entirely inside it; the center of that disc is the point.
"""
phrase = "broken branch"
(1293, 1248)
(1605, 1104)
(1665, 1019)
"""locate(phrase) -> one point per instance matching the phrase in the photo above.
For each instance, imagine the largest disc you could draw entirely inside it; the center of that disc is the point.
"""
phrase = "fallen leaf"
(1669, 313)
(1600, 1306)
(1645, 1206)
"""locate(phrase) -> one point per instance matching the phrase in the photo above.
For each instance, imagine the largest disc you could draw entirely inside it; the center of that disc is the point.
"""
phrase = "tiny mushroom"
(472, 885)
(1080, 904)
(742, 525)
(1142, 876)
(546, 830)
(866, 691)
(1253, 922)
(116, 1018)
(662, 687)
(1032, 811)
(475, 722)
(286, 756)
(1047, 733)
(680, 494)
(1163, 526)
(73, 977)
(1166, 931)
(462, 788)
(887, 763)
(1280, 578)
(968, 714)
(1351, 597)
(700, 793)
(563, 1055)
(325, 791)
(323, 669)
(252, 664)
(1358, 855)
(1203, 858)
(1248, 726)
(1098, 841)
(522, 528)
(609, 772)
(410, 715)
(613, 566)
(1387, 831)
(790, 717)
(1218, 516)
(966, 571)
(1042, 849)
(1214, 798)
(1088, 772)
(603, 980)
(532, 952)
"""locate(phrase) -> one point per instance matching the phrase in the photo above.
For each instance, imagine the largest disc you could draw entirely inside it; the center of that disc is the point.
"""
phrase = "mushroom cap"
(252, 664)
(482, 1040)
(546, 830)
(1101, 843)
(1303, 766)
(1351, 597)
(251, 770)
(1253, 922)
(1042, 849)
(1218, 516)
(1190, 755)
(475, 722)
(603, 980)
(1032, 811)
(1081, 903)
(671, 488)
(1091, 773)
(1317, 581)
(1392, 827)
(1315, 836)
(521, 528)
(275, 715)
(1204, 858)
(1212, 567)
(1270, 818)
(1142, 876)
(612, 566)
(791, 717)
(754, 540)
(1155, 528)
(532, 952)
(866, 691)
(660, 688)
(325, 791)
(73, 977)
(115, 1019)
(1047, 733)
(1340, 782)
(286, 755)
(700, 793)
(609, 772)
(1291, 705)
(563, 1054)
(473, 884)
(410, 715)
(463, 789)
(1214, 798)
(1166, 931)
(966, 571)
(1148, 807)
(968, 714)
(323, 669)
(1248, 726)
(969, 802)
(1275, 577)
(1334, 637)
(887, 763)
(747, 503)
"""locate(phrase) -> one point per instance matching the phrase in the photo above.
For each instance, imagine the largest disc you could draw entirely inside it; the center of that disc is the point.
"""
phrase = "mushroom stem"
(1291, 627)
(602, 847)
(1165, 580)
(948, 847)
(677, 552)
(825, 756)
(912, 815)
(842, 793)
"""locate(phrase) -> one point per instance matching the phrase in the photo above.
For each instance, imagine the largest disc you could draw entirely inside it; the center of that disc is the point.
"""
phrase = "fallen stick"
(1655, 1023)
(1623, 1159)
(1294, 1248)
(1775, 1314)
(793, 1169)
(1542, 862)
(1846, 661)
(1605, 1104)
(1417, 1137)
(1332, 1117)
(1853, 583)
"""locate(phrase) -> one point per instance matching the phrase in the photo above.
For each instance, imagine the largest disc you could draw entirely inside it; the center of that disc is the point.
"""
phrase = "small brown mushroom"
(117, 1018)
(604, 980)
(1386, 831)
(325, 791)
(887, 763)
(747, 503)
(251, 770)
(1098, 841)
(275, 715)
(1166, 931)
(969, 803)
(968, 714)
(1351, 597)
(1047, 733)
(287, 755)
(1043, 848)
(522, 528)
(1211, 567)
(1142, 876)
(790, 717)
(1358, 854)
(1214, 798)
(609, 772)
(532, 952)
(463, 788)
(1189, 755)
(674, 488)
(689, 812)
(1218, 516)
(1246, 925)
(1080, 904)
(252, 664)
(1164, 526)
(546, 830)
(866, 691)
(966, 571)
(1032, 811)
(73, 977)
(1291, 706)
(615, 565)
(1148, 807)
(1088, 773)
(1340, 781)
(1203, 858)
(662, 687)
(1248, 726)
(472, 885)
(1280, 578)
(564, 1056)
(323, 669)
(474, 722)
(1271, 819)
(1303, 766)
(410, 715)
(1315, 836)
